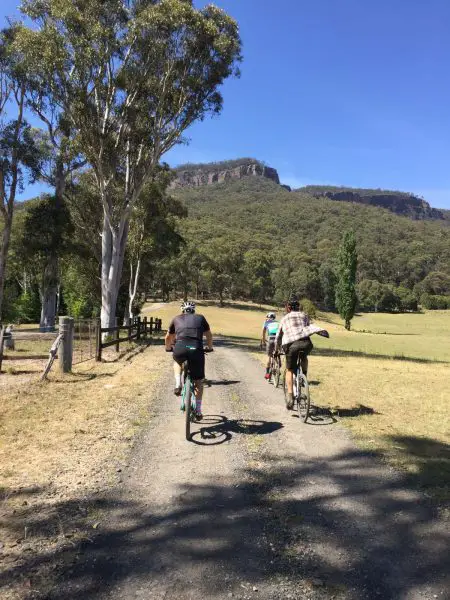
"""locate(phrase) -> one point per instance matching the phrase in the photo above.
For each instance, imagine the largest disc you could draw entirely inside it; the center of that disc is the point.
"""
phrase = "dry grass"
(391, 389)
(62, 440)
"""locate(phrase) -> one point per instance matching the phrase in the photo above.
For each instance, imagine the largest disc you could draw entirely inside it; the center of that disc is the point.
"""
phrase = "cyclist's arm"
(169, 340)
(279, 337)
(209, 338)
(263, 337)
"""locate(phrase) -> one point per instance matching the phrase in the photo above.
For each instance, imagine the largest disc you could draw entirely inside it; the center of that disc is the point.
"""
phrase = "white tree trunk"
(132, 287)
(113, 253)
(49, 293)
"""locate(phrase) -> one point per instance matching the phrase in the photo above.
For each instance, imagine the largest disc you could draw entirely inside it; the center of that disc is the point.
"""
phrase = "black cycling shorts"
(270, 346)
(194, 356)
(293, 350)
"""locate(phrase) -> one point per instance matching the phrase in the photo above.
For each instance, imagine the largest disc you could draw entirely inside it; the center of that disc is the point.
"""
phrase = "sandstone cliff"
(198, 175)
(400, 203)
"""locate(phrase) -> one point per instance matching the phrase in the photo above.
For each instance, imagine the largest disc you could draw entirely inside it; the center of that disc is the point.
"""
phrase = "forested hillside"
(252, 238)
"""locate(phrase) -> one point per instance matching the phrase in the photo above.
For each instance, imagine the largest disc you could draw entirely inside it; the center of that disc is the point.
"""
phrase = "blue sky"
(344, 92)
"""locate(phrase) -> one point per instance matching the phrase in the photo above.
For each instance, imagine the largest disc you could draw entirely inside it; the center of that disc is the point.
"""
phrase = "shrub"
(308, 308)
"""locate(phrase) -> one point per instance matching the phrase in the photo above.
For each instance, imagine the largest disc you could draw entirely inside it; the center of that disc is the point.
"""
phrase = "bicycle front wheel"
(188, 405)
(303, 403)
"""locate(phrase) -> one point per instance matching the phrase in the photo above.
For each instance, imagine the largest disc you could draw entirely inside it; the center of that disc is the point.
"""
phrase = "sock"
(198, 405)
(177, 380)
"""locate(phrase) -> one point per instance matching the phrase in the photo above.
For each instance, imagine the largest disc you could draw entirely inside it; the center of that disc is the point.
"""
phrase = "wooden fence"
(138, 328)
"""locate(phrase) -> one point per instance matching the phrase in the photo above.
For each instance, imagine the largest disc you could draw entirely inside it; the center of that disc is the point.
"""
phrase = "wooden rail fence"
(137, 328)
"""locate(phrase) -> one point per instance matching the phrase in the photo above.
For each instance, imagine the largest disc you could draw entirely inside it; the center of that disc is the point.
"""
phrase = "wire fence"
(84, 340)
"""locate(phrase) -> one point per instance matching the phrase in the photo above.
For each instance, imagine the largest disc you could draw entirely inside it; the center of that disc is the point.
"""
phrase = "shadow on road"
(222, 429)
(335, 520)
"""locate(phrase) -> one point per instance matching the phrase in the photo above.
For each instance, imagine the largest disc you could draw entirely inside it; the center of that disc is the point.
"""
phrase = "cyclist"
(269, 332)
(294, 340)
(185, 336)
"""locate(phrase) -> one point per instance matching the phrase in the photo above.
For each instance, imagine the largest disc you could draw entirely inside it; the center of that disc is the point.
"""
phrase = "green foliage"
(223, 165)
(435, 302)
(308, 307)
(300, 236)
(27, 307)
(345, 288)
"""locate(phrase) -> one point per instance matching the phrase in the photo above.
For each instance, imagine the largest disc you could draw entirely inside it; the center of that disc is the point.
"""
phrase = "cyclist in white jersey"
(269, 332)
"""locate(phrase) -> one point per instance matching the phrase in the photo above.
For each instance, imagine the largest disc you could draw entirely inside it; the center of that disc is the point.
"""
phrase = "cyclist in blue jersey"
(269, 333)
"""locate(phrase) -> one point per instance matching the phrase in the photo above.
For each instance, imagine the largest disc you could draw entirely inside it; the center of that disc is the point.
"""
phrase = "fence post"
(151, 325)
(66, 347)
(2, 333)
(145, 327)
(138, 335)
(117, 333)
(130, 329)
(98, 341)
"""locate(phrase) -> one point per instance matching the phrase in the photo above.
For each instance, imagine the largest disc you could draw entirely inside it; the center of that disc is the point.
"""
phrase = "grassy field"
(388, 380)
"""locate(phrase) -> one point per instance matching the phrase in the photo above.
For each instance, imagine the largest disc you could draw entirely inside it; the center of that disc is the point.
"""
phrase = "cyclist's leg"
(304, 356)
(196, 361)
(270, 347)
(179, 357)
(291, 362)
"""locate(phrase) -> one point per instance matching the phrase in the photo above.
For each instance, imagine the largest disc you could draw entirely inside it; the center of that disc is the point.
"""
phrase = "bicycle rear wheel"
(276, 371)
(188, 405)
(303, 401)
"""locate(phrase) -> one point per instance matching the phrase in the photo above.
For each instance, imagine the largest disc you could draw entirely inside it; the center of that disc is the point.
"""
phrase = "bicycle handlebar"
(205, 350)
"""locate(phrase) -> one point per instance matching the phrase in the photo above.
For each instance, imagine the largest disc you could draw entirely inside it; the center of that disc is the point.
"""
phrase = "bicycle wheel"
(188, 405)
(284, 386)
(303, 402)
(276, 373)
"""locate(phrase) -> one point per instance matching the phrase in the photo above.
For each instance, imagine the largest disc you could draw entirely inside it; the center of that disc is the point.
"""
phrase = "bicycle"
(188, 404)
(300, 389)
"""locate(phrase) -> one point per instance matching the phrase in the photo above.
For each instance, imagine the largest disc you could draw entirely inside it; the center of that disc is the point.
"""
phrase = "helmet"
(271, 315)
(293, 303)
(188, 307)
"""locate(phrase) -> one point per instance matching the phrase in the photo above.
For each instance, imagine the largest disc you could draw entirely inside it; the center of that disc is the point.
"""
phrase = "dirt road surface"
(258, 505)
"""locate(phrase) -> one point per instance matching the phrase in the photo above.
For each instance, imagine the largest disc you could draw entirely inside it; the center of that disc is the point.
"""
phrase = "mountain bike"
(300, 389)
(188, 403)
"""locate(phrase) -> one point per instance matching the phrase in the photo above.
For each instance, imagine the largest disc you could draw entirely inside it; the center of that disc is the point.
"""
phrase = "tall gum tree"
(19, 154)
(131, 76)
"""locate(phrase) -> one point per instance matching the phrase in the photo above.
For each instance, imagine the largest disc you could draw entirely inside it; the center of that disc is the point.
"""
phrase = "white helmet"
(188, 307)
(271, 315)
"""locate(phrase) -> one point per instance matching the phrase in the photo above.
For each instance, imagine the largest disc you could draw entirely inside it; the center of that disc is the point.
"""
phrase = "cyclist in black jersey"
(185, 336)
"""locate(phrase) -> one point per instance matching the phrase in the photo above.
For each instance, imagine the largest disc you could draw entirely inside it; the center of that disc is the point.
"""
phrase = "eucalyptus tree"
(130, 76)
(19, 153)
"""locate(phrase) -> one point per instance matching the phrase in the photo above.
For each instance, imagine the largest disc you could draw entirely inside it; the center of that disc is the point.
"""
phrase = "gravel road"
(258, 505)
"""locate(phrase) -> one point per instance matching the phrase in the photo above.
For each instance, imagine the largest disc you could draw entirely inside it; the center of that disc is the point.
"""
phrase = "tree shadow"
(338, 353)
(354, 411)
(235, 341)
(313, 527)
(431, 460)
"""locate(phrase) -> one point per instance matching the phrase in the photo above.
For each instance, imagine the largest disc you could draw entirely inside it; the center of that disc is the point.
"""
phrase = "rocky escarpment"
(399, 203)
(199, 175)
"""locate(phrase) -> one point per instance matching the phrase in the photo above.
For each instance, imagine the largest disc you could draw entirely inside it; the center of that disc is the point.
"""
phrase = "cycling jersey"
(271, 328)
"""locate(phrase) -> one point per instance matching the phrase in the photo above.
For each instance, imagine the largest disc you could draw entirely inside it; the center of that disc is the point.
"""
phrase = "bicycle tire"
(276, 381)
(303, 402)
(187, 405)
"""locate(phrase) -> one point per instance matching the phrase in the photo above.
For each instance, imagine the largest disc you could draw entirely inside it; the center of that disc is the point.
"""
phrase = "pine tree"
(345, 289)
